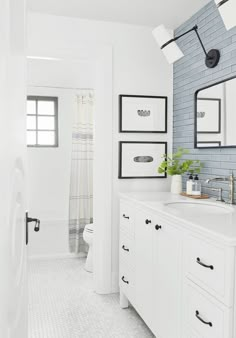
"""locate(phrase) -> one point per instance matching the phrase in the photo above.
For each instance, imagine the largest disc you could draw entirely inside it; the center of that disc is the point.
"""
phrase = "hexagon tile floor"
(62, 304)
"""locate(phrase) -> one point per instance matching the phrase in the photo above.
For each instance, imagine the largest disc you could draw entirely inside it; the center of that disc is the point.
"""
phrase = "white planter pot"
(176, 184)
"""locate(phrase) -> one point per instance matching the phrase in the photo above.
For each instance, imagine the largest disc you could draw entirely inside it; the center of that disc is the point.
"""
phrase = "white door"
(13, 283)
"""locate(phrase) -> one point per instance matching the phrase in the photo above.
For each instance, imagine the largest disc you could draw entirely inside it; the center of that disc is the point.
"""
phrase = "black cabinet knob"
(158, 227)
(148, 221)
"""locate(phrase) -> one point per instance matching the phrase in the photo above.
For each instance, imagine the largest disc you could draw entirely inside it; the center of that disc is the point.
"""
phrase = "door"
(144, 265)
(167, 258)
(13, 283)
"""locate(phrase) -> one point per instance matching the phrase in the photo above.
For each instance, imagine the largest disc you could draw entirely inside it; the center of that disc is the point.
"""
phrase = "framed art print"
(208, 144)
(141, 159)
(208, 116)
(143, 114)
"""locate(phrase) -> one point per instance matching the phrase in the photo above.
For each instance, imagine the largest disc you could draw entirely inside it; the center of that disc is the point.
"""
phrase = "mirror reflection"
(215, 115)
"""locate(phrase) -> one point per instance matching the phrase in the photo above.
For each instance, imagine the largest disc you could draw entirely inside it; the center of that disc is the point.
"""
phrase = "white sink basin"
(198, 208)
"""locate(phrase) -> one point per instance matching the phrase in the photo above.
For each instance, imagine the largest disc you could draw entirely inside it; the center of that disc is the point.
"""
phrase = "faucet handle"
(220, 191)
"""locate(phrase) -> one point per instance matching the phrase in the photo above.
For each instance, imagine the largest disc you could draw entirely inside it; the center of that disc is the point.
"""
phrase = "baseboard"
(58, 256)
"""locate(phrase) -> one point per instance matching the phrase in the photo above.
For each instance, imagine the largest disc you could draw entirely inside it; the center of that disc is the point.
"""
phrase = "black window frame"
(38, 98)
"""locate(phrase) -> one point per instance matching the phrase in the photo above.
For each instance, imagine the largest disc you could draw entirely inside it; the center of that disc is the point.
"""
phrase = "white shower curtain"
(81, 179)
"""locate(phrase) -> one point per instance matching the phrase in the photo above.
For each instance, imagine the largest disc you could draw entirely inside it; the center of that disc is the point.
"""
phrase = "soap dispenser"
(196, 187)
(189, 185)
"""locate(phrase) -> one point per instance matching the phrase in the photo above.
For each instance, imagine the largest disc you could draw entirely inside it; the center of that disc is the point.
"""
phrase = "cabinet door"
(167, 257)
(144, 265)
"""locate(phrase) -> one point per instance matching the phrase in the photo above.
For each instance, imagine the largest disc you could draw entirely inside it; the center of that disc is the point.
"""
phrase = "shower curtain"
(81, 178)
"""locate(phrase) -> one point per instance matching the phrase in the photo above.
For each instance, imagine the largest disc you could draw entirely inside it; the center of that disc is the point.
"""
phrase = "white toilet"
(88, 238)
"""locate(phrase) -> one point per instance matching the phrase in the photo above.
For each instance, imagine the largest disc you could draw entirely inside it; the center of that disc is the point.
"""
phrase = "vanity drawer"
(127, 219)
(204, 317)
(211, 267)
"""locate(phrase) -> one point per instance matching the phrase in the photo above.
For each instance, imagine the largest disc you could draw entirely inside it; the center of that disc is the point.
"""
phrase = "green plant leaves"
(174, 165)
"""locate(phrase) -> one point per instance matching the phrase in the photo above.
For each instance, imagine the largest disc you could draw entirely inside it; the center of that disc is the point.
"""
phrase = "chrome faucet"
(229, 179)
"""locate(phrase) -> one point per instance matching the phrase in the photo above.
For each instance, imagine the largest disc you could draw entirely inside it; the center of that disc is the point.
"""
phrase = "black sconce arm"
(194, 29)
(212, 57)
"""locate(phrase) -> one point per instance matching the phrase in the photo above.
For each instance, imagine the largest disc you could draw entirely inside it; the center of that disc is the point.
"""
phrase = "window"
(42, 121)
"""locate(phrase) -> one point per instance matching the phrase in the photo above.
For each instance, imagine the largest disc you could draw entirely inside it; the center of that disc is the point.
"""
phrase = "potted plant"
(175, 166)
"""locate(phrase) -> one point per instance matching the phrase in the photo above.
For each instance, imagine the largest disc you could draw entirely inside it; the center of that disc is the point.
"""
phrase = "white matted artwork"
(208, 116)
(208, 144)
(143, 114)
(141, 159)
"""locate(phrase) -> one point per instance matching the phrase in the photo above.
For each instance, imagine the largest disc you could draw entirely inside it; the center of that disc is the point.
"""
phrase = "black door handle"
(202, 320)
(205, 265)
(158, 227)
(127, 217)
(125, 281)
(36, 226)
(148, 221)
(124, 248)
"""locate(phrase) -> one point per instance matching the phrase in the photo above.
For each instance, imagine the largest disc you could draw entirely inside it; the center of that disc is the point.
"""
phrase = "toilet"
(88, 238)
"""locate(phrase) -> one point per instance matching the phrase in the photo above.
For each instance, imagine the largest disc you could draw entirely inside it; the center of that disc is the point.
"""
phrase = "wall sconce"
(173, 53)
(227, 9)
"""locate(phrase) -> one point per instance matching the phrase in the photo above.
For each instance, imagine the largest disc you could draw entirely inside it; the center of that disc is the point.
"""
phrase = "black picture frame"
(121, 127)
(209, 142)
(120, 173)
(218, 131)
(195, 115)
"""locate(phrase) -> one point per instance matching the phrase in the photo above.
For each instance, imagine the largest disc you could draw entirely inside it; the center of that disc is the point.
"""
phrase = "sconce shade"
(171, 51)
(227, 9)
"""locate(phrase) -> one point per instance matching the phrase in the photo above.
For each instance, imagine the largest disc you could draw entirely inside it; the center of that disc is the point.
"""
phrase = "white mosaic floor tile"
(62, 304)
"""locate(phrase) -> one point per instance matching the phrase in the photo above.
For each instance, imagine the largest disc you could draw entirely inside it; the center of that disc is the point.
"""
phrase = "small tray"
(202, 197)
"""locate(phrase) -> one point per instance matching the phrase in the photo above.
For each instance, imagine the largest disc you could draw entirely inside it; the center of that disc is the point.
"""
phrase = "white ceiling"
(139, 12)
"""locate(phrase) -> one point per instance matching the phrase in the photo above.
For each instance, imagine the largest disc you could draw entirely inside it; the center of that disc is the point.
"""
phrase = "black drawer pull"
(158, 227)
(125, 281)
(202, 320)
(205, 266)
(148, 221)
(127, 217)
(124, 248)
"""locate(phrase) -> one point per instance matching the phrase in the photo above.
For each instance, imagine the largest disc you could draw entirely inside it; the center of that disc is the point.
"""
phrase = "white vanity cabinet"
(154, 284)
(181, 282)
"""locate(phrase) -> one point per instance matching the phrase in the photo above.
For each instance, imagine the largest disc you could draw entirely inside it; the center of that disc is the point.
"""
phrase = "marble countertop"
(220, 226)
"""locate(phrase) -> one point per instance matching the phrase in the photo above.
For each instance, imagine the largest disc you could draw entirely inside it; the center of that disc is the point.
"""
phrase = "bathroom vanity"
(177, 264)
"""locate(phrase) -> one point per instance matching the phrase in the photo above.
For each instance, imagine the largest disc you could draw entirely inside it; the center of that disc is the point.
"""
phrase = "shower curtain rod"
(62, 88)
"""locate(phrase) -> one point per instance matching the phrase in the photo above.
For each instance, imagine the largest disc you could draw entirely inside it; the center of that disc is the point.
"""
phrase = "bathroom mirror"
(215, 115)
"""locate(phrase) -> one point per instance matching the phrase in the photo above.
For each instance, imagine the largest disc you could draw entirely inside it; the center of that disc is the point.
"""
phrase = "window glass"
(46, 108)
(46, 137)
(46, 122)
(31, 138)
(31, 107)
(31, 122)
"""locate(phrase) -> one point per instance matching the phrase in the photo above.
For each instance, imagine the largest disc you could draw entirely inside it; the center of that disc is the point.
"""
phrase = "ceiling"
(138, 12)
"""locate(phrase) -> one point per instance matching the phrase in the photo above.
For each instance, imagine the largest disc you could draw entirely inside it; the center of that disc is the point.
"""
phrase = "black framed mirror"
(215, 115)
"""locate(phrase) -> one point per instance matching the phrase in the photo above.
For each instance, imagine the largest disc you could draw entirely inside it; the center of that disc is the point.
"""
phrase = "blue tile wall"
(191, 74)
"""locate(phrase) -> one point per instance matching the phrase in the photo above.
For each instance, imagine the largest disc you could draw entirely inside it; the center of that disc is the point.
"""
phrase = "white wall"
(138, 68)
(230, 108)
(49, 168)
